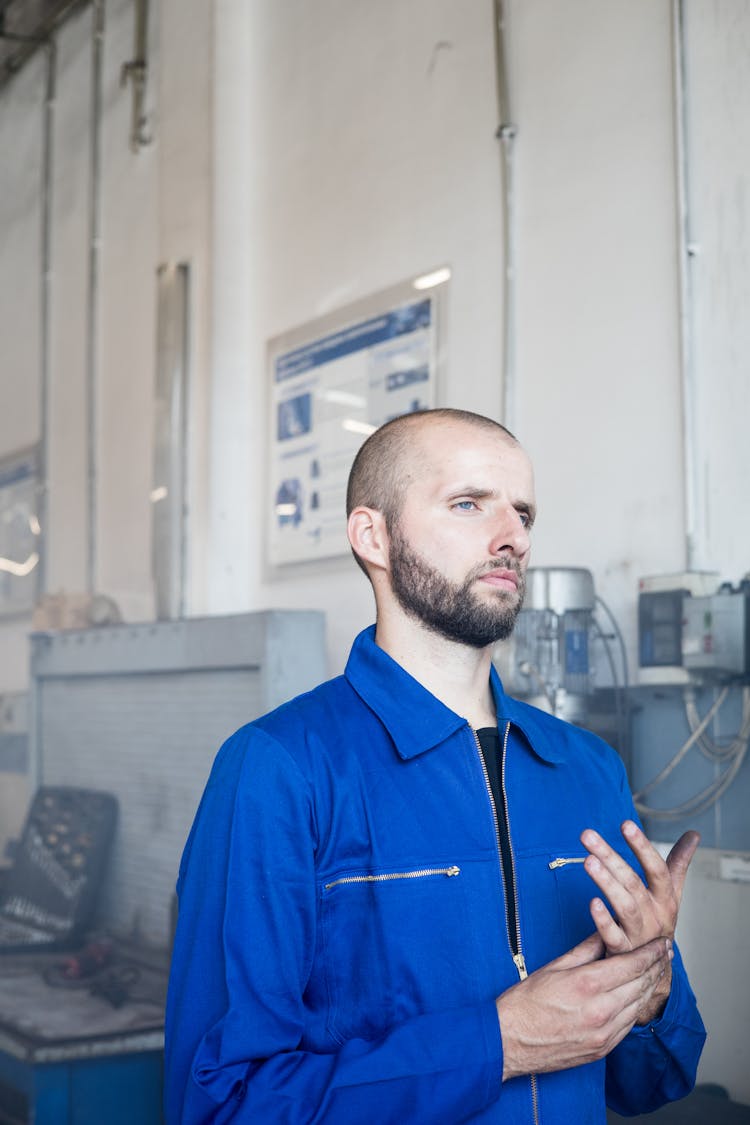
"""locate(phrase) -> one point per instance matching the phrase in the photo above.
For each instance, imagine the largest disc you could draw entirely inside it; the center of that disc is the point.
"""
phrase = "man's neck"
(456, 674)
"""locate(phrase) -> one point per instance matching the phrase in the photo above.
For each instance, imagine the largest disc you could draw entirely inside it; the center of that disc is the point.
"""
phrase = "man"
(388, 901)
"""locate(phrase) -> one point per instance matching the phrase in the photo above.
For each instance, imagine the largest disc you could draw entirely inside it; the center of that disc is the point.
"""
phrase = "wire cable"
(708, 747)
(735, 754)
(618, 634)
(675, 761)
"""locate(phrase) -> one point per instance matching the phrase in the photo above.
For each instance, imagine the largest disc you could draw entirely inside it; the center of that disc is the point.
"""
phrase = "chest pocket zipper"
(420, 873)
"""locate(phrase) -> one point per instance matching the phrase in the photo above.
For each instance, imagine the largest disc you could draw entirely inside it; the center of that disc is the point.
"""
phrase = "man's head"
(440, 503)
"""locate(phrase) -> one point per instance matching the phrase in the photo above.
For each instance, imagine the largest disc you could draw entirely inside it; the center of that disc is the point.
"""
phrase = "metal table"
(69, 1056)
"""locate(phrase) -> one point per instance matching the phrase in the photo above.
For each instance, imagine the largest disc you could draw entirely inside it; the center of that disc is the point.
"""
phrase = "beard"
(454, 610)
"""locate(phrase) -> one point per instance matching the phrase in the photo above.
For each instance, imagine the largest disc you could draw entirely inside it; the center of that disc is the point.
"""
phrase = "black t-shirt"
(492, 752)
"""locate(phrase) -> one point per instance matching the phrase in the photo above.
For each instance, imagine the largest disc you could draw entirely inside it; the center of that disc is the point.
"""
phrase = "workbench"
(70, 1056)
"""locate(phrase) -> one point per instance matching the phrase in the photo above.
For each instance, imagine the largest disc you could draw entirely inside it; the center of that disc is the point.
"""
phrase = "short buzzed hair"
(380, 476)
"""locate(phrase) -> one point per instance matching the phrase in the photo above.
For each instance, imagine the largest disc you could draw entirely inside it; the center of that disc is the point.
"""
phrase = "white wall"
(154, 208)
(67, 530)
(714, 939)
(718, 109)
(351, 183)
(598, 321)
(370, 158)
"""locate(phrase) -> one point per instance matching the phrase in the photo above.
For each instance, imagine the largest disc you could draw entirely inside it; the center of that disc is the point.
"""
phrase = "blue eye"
(465, 505)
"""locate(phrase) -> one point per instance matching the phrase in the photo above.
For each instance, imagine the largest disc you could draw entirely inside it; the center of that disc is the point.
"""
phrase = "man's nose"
(511, 535)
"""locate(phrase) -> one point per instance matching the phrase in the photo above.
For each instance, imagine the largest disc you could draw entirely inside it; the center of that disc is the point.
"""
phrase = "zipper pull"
(453, 871)
(520, 964)
(564, 862)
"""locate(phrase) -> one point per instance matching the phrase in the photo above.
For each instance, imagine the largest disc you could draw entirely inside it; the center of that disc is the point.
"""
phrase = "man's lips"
(502, 579)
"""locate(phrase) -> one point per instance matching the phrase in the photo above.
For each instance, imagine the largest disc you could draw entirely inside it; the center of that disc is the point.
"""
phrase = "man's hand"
(641, 911)
(578, 1007)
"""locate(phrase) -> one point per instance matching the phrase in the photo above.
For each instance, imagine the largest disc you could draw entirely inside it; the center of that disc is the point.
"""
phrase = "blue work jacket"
(343, 935)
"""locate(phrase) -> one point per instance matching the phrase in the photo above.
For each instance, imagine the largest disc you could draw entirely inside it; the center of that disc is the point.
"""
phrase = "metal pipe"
(506, 134)
(92, 336)
(685, 255)
(45, 311)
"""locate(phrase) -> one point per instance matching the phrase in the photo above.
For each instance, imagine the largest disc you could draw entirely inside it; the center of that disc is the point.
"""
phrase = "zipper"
(514, 938)
(422, 873)
(564, 861)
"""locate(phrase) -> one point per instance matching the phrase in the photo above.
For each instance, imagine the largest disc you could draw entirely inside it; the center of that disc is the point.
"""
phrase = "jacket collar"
(414, 718)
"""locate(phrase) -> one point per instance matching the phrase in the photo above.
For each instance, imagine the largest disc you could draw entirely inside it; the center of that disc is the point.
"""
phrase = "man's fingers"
(616, 879)
(629, 895)
(679, 859)
(615, 869)
(613, 936)
(641, 998)
(624, 971)
(589, 950)
(654, 867)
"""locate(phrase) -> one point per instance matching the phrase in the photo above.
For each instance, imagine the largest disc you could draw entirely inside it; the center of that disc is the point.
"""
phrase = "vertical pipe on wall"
(45, 305)
(136, 71)
(685, 253)
(92, 334)
(506, 134)
(169, 493)
(34, 764)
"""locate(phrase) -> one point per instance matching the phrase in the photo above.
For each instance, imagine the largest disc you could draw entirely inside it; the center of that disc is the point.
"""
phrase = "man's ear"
(368, 536)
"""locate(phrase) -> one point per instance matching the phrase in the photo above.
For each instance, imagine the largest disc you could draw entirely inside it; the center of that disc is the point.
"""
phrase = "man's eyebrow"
(471, 492)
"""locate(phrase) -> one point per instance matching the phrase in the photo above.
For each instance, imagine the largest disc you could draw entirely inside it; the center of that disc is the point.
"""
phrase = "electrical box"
(660, 629)
(661, 599)
(716, 635)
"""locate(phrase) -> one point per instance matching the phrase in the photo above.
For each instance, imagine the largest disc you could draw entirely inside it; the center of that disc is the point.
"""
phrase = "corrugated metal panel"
(150, 740)
(141, 711)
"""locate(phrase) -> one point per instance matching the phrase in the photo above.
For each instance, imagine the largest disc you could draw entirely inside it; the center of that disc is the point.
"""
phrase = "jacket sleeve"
(657, 1063)
(235, 1043)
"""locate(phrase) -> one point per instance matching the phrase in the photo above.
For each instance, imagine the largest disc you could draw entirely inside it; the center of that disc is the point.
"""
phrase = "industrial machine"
(684, 731)
(694, 657)
(691, 627)
(547, 660)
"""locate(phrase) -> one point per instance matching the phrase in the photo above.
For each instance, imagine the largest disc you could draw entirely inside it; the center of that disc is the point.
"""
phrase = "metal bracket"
(136, 71)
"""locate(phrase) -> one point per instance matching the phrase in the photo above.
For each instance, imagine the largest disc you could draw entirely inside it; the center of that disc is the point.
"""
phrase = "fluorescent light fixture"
(354, 426)
(430, 280)
(19, 570)
(343, 398)
(158, 494)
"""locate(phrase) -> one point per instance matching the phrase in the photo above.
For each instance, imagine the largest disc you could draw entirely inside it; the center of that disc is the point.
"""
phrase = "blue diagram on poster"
(329, 390)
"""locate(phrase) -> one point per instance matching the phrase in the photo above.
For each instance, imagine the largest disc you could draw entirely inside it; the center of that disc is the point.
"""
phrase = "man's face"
(459, 550)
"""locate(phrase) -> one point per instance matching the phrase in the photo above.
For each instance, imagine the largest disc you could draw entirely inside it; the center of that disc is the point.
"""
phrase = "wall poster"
(332, 383)
(19, 534)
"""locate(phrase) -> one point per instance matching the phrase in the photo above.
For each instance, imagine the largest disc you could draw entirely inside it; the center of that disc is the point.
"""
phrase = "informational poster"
(19, 534)
(331, 387)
